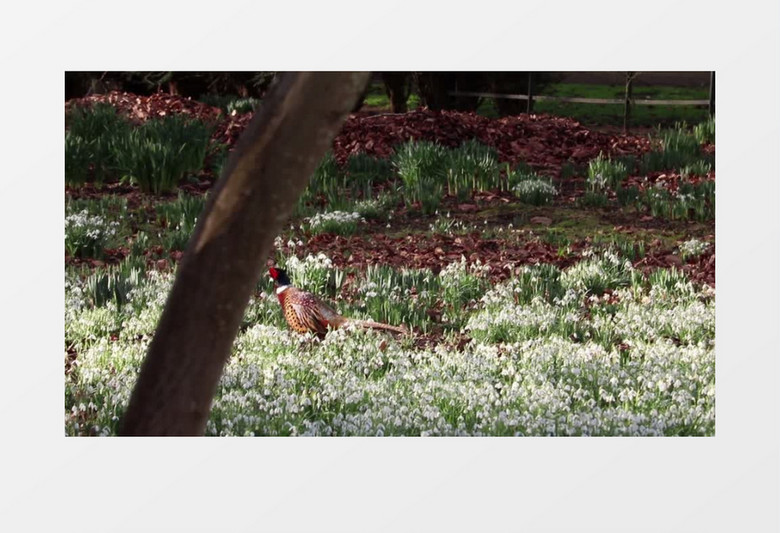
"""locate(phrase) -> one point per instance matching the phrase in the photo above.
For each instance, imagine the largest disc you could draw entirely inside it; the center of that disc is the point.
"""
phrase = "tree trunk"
(712, 94)
(362, 96)
(256, 193)
(627, 106)
(78, 84)
(511, 83)
(434, 89)
(397, 87)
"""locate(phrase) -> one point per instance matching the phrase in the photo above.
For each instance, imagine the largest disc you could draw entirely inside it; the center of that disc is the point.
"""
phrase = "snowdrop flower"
(693, 247)
(535, 365)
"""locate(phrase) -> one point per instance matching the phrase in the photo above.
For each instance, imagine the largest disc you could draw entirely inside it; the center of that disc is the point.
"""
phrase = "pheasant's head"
(279, 276)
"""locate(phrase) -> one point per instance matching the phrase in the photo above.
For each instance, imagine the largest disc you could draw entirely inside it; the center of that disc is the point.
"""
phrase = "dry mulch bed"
(545, 142)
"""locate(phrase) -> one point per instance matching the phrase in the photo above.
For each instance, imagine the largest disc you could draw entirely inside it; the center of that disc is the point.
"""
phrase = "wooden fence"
(628, 101)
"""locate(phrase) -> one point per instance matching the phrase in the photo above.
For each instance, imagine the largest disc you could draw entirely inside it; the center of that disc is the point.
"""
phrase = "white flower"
(693, 247)
(530, 187)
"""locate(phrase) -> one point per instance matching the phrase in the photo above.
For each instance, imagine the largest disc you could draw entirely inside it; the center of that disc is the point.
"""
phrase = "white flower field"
(632, 362)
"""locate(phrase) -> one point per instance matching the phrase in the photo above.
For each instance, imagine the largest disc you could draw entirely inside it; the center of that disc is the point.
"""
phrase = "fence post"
(530, 101)
(712, 93)
(629, 86)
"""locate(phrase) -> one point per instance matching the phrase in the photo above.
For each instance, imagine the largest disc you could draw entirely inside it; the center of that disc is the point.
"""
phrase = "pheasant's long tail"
(378, 325)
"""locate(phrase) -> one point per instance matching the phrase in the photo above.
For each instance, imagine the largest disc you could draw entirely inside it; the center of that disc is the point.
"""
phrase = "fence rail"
(578, 100)
(628, 101)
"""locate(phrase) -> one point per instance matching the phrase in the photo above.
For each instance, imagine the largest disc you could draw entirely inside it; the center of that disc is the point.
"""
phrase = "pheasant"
(305, 312)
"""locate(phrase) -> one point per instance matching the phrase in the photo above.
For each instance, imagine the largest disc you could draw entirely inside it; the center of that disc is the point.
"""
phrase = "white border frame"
(725, 483)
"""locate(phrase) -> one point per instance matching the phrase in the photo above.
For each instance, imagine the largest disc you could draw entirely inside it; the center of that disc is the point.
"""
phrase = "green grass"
(114, 284)
(422, 168)
(101, 145)
(91, 140)
(705, 131)
(604, 173)
(340, 189)
(472, 166)
(377, 97)
(654, 92)
(160, 153)
(426, 171)
(325, 188)
(612, 114)
(179, 218)
(594, 199)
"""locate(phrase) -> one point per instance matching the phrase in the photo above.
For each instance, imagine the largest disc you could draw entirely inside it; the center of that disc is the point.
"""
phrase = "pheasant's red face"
(279, 276)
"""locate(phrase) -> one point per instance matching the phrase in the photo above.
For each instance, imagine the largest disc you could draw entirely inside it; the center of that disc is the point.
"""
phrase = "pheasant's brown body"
(305, 313)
